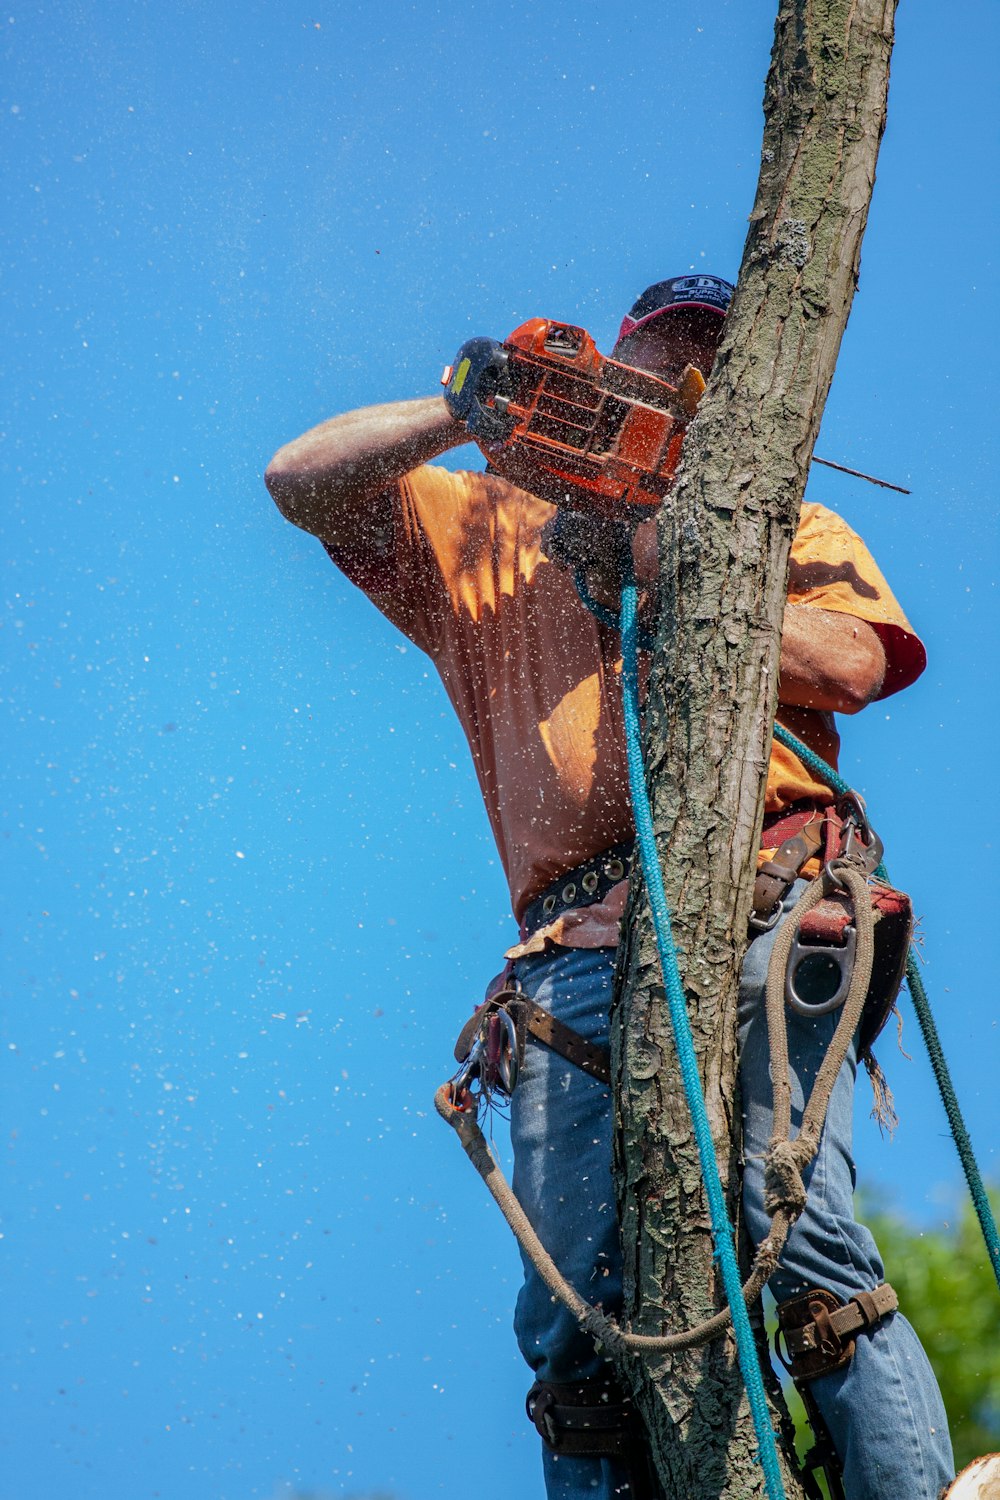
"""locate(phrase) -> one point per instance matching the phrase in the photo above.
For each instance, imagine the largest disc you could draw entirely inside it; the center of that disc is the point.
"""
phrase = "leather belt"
(585, 885)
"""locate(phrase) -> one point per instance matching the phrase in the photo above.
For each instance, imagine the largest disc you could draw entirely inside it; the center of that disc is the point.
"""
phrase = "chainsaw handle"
(471, 382)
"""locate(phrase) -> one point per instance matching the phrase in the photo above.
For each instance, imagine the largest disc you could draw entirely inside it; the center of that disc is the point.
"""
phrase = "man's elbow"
(283, 484)
(861, 682)
(294, 491)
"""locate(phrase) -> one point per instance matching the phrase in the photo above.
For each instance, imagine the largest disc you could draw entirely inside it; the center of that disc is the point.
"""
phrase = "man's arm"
(829, 661)
(336, 480)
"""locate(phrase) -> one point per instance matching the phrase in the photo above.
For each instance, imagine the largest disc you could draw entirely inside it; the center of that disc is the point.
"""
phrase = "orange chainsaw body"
(586, 431)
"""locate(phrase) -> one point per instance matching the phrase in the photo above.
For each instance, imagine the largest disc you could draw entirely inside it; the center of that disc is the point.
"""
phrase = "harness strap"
(595, 1419)
(590, 1418)
(531, 1019)
(782, 870)
(818, 1329)
(568, 1043)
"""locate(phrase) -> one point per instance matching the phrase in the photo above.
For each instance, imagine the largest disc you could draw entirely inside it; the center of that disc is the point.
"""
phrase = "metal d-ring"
(815, 967)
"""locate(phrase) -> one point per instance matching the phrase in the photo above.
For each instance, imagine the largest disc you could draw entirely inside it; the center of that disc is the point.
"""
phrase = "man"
(480, 575)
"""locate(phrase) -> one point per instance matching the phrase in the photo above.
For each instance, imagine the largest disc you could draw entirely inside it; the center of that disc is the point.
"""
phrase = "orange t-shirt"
(535, 678)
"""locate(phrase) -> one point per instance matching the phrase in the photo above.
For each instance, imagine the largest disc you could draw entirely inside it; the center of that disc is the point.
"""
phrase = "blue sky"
(249, 891)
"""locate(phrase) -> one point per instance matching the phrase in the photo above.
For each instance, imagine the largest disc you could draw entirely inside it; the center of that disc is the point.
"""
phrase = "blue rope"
(604, 615)
(809, 758)
(722, 1229)
(928, 1029)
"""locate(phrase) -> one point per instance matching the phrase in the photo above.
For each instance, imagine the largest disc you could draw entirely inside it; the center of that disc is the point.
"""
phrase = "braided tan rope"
(785, 1193)
(787, 1159)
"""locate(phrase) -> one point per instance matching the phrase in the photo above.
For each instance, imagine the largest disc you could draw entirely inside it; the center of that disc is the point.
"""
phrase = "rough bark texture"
(725, 535)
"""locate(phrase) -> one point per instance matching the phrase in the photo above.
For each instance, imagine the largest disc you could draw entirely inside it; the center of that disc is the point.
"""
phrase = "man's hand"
(597, 545)
(574, 540)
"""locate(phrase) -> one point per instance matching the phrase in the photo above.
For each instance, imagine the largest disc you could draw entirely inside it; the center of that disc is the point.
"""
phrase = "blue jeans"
(884, 1410)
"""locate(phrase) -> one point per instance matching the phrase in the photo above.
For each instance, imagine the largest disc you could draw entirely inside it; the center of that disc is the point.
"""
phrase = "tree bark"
(725, 534)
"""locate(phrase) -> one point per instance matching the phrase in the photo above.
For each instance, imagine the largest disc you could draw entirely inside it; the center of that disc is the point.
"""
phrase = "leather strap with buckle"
(531, 1020)
(818, 1329)
(802, 834)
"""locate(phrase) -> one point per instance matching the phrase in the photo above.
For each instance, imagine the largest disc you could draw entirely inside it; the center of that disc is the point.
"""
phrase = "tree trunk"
(725, 535)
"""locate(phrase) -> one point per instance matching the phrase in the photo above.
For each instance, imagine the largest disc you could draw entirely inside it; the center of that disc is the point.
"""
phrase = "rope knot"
(783, 1168)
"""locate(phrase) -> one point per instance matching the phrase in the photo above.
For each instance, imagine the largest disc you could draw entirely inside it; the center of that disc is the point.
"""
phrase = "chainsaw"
(556, 417)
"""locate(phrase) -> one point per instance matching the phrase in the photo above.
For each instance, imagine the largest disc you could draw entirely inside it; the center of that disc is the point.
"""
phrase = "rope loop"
(783, 1167)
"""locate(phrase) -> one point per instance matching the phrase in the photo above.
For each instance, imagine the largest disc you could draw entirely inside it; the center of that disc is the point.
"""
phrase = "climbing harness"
(928, 1030)
(802, 834)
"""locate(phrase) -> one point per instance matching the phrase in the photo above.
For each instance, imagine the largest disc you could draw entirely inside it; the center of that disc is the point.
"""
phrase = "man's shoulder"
(472, 488)
(821, 532)
(817, 520)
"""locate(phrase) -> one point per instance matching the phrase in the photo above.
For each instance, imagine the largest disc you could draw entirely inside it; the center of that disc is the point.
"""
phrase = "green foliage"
(948, 1292)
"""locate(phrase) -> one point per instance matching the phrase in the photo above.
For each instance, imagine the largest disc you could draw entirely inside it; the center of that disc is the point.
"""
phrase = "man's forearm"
(325, 478)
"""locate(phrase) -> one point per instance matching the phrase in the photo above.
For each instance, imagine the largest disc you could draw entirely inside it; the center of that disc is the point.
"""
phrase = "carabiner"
(502, 1063)
(492, 1065)
(860, 844)
(470, 1070)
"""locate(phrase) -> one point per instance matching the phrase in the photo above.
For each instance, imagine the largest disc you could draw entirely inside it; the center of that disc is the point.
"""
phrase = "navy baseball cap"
(709, 292)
